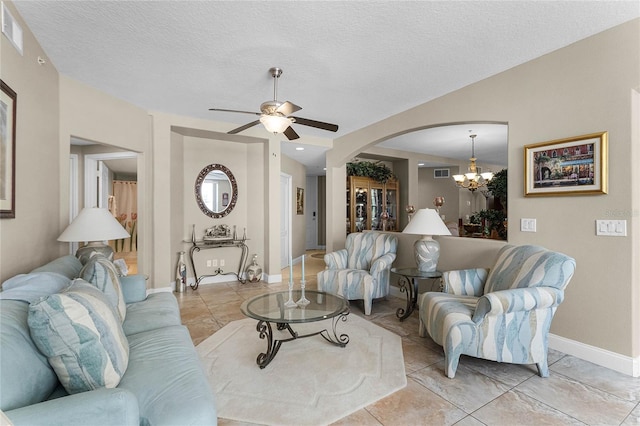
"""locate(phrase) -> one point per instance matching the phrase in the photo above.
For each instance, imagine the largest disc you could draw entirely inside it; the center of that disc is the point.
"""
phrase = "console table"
(206, 245)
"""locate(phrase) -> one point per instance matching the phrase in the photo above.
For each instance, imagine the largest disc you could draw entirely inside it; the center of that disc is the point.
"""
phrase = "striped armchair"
(361, 269)
(502, 314)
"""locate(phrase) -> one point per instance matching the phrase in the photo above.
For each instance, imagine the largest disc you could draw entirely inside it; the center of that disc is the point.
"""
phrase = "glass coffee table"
(269, 309)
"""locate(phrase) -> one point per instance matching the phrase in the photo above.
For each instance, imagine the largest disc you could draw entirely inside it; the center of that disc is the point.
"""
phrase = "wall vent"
(11, 29)
(440, 173)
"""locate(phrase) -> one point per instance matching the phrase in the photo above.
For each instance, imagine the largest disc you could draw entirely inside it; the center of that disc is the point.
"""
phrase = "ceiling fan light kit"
(275, 123)
(472, 180)
(275, 115)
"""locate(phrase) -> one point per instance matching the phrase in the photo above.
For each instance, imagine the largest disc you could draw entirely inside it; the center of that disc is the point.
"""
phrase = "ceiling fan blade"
(234, 110)
(288, 108)
(245, 127)
(290, 133)
(317, 124)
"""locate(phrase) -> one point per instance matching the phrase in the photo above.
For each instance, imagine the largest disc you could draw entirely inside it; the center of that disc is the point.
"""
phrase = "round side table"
(408, 282)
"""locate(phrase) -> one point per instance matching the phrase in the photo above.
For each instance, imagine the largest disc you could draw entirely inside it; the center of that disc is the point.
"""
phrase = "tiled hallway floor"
(483, 392)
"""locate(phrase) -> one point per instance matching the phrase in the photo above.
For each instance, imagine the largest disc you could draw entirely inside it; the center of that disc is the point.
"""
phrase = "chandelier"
(472, 180)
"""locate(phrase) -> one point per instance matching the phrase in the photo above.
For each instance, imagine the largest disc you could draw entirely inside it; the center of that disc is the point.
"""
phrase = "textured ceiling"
(346, 62)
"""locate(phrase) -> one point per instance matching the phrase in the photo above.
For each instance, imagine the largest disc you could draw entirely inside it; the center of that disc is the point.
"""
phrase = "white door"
(285, 219)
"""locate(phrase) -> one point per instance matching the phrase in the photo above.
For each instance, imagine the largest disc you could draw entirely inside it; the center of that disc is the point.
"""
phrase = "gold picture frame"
(570, 166)
(300, 200)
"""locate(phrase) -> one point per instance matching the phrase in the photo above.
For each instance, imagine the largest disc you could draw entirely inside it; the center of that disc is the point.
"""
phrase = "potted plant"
(493, 223)
(376, 171)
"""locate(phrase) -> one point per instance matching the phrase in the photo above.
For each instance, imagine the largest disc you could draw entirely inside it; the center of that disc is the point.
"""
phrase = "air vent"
(11, 29)
(440, 173)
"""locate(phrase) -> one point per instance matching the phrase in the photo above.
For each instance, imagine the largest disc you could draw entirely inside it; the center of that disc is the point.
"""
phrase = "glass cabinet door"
(361, 209)
(391, 198)
(377, 207)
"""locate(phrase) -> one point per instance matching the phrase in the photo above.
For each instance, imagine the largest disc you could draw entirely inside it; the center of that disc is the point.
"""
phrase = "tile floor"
(483, 392)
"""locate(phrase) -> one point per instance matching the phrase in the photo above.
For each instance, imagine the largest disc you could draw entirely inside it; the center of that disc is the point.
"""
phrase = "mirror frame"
(198, 190)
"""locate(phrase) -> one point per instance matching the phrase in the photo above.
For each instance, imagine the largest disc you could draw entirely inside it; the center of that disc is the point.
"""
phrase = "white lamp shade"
(426, 222)
(93, 224)
(275, 123)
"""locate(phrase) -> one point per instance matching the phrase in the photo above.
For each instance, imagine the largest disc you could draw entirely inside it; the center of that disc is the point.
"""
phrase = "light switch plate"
(528, 225)
(611, 228)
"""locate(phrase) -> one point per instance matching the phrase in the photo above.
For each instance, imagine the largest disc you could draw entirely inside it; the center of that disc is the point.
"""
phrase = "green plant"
(376, 171)
(498, 186)
(494, 220)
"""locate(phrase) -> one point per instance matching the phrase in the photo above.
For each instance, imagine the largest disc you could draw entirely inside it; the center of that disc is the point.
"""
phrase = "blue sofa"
(163, 382)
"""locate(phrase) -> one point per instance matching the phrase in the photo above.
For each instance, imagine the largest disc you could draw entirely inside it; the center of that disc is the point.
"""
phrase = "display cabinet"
(367, 203)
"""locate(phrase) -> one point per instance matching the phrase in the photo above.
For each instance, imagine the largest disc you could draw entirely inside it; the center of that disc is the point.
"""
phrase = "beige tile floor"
(483, 392)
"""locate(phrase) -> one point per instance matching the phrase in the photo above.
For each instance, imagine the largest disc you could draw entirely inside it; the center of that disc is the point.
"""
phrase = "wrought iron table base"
(411, 288)
(264, 328)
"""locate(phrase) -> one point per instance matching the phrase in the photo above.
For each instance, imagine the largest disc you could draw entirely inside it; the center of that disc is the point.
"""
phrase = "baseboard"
(274, 278)
(611, 360)
(168, 289)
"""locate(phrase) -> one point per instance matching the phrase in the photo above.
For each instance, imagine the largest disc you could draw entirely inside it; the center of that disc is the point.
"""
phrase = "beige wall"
(583, 88)
(30, 238)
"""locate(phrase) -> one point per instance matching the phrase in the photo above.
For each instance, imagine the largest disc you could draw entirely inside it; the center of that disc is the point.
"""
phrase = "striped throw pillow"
(102, 273)
(81, 335)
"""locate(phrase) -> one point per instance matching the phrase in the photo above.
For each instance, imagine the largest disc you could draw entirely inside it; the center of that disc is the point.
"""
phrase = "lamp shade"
(275, 123)
(93, 224)
(426, 222)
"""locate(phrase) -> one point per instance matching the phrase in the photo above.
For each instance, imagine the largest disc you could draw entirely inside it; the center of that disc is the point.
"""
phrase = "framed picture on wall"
(225, 199)
(300, 200)
(570, 166)
(8, 99)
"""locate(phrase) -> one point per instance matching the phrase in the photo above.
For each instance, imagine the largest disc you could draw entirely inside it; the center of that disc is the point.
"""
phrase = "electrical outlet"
(214, 263)
(208, 264)
(221, 262)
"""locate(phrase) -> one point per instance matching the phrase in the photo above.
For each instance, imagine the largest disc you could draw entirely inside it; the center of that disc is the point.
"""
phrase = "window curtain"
(123, 205)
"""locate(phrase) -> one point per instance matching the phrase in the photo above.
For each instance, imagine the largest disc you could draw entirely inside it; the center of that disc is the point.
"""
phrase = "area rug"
(310, 381)
(318, 255)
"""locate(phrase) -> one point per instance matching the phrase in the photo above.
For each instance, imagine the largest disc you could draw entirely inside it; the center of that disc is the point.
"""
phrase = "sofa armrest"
(516, 300)
(98, 407)
(134, 288)
(336, 259)
(465, 282)
(381, 263)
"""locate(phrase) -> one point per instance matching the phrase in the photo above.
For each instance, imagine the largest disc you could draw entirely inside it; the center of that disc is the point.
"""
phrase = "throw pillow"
(102, 273)
(81, 335)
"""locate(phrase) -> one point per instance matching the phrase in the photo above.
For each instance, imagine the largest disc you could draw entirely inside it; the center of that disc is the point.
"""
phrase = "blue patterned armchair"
(361, 269)
(502, 314)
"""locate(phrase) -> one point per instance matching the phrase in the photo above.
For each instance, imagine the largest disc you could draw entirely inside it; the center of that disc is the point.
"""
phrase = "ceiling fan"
(276, 116)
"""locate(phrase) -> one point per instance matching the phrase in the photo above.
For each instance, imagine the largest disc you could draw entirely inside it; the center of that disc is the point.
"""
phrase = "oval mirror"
(216, 190)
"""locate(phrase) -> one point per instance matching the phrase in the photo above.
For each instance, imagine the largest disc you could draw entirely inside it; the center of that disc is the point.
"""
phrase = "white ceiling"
(346, 62)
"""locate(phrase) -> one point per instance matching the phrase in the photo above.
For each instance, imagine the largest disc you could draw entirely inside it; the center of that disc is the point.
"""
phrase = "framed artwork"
(8, 99)
(571, 166)
(300, 200)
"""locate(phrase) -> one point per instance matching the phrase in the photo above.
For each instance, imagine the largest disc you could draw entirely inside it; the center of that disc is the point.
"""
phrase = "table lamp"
(94, 226)
(426, 222)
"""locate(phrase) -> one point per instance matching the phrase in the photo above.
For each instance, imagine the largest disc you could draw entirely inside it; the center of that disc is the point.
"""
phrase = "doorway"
(94, 178)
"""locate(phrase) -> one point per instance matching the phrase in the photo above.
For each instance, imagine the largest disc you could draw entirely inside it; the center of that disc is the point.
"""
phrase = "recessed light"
(420, 164)
(299, 148)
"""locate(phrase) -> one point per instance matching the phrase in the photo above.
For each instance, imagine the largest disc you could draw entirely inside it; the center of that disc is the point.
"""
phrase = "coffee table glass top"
(271, 307)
